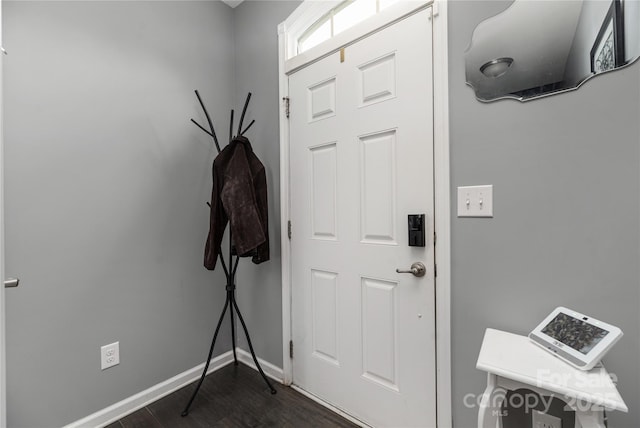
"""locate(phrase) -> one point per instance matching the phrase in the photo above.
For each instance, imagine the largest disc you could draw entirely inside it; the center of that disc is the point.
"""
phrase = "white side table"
(513, 362)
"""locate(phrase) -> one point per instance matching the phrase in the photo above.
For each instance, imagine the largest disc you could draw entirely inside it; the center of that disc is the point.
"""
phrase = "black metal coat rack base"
(229, 271)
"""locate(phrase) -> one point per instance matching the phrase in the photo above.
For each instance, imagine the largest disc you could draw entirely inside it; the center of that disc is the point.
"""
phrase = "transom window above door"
(343, 16)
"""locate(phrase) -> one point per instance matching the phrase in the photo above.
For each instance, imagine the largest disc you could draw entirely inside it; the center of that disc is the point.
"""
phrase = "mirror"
(538, 48)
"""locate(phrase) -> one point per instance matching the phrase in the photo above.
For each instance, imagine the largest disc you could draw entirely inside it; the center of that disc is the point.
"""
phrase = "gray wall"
(566, 226)
(256, 71)
(106, 183)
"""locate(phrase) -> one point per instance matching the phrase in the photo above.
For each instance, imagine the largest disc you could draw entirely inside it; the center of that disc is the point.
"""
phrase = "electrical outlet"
(544, 420)
(110, 355)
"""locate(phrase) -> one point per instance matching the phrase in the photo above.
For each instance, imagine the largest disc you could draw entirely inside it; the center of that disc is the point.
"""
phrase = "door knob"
(11, 283)
(417, 269)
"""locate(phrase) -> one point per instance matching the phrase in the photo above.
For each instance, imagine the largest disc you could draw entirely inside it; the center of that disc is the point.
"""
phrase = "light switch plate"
(475, 201)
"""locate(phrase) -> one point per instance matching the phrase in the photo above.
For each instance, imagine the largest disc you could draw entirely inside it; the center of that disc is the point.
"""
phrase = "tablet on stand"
(578, 339)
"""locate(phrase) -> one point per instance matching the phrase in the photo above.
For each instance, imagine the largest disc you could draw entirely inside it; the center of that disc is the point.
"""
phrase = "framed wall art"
(607, 52)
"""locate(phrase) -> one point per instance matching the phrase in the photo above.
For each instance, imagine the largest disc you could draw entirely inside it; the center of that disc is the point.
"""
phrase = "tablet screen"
(574, 332)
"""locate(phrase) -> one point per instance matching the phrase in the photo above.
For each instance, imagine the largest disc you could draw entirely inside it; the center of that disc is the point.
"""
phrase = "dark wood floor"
(235, 396)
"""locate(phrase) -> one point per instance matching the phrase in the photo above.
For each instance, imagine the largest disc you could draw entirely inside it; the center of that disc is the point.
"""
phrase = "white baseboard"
(274, 372)
(129, 405)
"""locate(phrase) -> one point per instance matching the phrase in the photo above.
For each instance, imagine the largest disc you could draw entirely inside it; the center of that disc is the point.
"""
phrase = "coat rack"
(230, 270)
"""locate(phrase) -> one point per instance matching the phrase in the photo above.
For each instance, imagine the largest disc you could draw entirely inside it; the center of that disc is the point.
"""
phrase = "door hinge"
(435, 238)
(287, 104)
(289, 229)
(435, 271)
(291, 349)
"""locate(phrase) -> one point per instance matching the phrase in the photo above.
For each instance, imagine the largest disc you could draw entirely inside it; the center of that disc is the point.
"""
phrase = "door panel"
(378, 188)
(324, 293)
(324, 191)
(361, 160)
(379, 332)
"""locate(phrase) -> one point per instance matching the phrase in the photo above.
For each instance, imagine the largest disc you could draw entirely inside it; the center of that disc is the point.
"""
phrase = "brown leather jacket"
(239, 196)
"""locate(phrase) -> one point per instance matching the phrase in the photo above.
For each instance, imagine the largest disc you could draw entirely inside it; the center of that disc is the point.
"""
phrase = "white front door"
(361, 161)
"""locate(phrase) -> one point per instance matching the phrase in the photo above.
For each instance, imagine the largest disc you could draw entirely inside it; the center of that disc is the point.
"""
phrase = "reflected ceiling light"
(496, 67)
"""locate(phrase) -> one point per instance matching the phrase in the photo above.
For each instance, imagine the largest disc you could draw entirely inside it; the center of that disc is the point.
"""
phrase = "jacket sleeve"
(240, 203)
(260, 186)
(217, 222)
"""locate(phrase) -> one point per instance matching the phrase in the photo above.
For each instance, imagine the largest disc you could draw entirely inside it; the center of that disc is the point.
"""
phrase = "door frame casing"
(304, 15)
